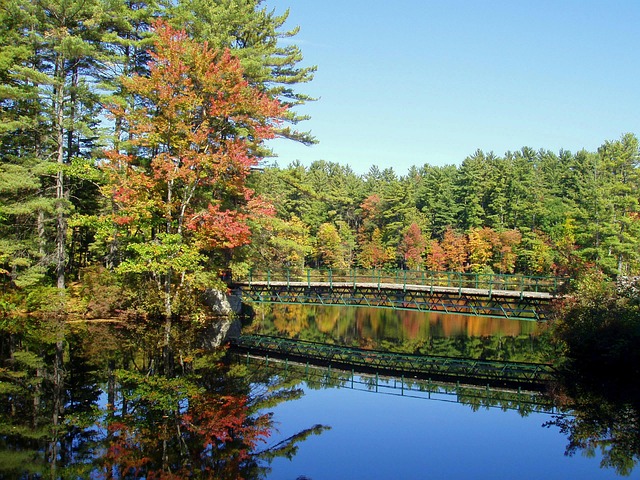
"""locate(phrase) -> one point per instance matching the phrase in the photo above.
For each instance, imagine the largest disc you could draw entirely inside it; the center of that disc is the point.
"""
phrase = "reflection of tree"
(600, 330)
(45, 401)
(291, 319)
(327, 319)
(604, 416)
(169, 428)
(208, 422)
(409, 332)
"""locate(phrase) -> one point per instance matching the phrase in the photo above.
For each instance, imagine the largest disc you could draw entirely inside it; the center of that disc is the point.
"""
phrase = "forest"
(534, 212)
(134, 168)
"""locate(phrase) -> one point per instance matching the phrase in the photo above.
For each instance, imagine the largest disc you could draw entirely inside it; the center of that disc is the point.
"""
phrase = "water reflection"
(85, 401)
(599, 415)
(603, 416)
(102, 400)
(408, 332)
(524, 401)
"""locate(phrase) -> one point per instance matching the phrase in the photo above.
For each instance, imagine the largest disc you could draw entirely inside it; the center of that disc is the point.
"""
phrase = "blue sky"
(409, 82)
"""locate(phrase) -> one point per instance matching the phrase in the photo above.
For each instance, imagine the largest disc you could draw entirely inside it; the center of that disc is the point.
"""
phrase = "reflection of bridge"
(487, 295)
(289, 363)
(482, 372)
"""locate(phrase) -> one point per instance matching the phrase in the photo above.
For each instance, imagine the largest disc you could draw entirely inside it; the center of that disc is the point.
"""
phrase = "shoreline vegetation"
(133, 172)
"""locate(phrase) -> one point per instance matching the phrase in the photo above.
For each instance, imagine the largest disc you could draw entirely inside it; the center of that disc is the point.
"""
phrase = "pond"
(81, 400)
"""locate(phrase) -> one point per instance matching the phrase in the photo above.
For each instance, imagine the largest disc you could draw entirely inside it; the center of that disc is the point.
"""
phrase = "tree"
(481, 244)
(620, 159)
(536, 255)
(329, 247)
(606, 186)
(412, 247)
(23, 248)
(276, 244)
(252, 34)
(472, 186)
(435, 197)
(373, 253)
(507, 256)
(454, 245)
(436, 258)
(50, 53)
(178, 185)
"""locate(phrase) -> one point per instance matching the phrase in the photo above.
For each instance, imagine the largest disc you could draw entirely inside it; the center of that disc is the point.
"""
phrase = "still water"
(382, 431)
(88, 400)
(375, 435)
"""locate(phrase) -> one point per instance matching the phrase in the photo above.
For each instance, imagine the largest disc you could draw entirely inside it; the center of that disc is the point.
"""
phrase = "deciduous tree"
(436, 257)
(412, 247)
(454, 245)
(178, 185)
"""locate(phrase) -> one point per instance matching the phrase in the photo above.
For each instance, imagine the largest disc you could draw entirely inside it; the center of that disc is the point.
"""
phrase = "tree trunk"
(58, 405)
(166, 350)
(61, 220)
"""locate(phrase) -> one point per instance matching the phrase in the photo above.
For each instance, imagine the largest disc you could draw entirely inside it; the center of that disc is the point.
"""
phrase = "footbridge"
(489, 295)
(301, 356)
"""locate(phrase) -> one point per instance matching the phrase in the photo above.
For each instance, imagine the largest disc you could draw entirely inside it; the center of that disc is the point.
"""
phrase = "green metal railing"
(524, 401)
(406, 278)
(483, 371)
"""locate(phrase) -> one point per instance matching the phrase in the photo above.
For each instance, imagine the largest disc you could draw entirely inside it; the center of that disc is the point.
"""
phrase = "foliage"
(600, 328)
(330, 250)
(175, 199)
(603, 412)
(412, 247)
(61, 65)
(178, 183)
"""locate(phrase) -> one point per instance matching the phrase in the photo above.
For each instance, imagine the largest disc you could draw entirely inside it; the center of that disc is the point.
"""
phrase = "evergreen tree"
(621, 159)
(254, 35)
(436, 197)
(472, 186)
(24, 245)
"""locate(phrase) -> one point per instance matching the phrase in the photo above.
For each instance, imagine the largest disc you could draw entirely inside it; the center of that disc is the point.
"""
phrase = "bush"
(600, 328)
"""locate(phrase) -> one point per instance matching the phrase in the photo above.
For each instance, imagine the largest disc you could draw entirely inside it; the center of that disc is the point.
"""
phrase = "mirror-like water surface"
(379, 435)
(107, 400)
(408, 332)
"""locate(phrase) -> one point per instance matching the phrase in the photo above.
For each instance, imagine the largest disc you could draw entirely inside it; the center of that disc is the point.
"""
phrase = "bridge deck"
(403, 287)
(503, 296)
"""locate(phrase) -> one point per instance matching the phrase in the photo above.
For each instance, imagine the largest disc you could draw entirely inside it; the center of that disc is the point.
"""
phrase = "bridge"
(519, 297)
(507, 385)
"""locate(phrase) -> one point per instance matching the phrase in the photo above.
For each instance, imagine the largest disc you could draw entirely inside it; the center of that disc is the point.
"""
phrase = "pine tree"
(254, 34)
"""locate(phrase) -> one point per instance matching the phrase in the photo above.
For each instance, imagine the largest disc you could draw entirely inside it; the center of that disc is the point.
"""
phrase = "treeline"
(534, 212)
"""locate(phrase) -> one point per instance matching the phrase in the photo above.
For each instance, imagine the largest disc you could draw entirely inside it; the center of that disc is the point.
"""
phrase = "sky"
(411, 82)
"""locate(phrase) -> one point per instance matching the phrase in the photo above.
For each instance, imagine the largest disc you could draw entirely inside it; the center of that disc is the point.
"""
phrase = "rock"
(220, 303)
(219, 331)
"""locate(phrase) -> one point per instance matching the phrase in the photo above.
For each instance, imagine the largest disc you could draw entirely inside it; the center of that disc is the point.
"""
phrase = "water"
(408, 332)
(131, 411)
(376, 435)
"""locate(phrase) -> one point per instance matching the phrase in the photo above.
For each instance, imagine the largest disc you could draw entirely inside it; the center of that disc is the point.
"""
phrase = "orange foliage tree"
(509, 241)
(177, 184)
(482, 243)
(436, 258)
(454, 245)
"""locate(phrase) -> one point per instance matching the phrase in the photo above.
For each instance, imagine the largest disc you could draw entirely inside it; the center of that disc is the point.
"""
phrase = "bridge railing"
(483, 281)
